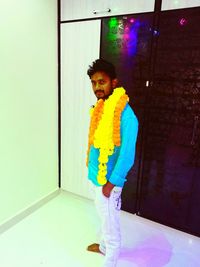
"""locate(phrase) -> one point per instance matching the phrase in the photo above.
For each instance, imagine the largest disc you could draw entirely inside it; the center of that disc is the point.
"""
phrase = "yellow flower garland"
(104, 132)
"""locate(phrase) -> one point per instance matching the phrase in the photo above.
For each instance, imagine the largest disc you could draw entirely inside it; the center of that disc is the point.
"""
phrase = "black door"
(126, 42)
(170, 188)
(164, 184)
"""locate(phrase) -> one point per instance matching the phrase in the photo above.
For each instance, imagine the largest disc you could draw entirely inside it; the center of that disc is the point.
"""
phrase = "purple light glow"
(155, 33)
(182, 21)
(153, 252)
(132, 20)
(126, 29)
(126, 36)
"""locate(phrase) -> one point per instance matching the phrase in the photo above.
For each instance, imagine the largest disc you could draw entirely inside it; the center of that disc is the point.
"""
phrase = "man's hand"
(107, 188)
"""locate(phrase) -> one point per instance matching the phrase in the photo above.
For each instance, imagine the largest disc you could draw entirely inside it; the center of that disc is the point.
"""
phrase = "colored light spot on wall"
(122, 35)
(113, 22)
(156, 33)
(183, 21)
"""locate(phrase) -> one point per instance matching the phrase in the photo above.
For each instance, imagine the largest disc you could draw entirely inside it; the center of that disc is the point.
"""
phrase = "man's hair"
(104, 66)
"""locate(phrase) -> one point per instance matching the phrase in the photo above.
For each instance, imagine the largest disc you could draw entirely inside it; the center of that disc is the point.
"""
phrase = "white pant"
(109, 210)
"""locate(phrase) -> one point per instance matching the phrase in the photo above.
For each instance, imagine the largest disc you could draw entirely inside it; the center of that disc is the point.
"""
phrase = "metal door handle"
(101, 11)
(196, 120)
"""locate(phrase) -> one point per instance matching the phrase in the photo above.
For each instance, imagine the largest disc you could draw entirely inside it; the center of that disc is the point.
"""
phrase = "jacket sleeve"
(129, 131)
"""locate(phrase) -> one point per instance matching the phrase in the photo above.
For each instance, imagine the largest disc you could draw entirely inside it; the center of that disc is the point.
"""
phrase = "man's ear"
(114, 83)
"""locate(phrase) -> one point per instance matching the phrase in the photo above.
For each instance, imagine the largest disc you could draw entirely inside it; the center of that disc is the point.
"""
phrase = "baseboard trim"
(26, 212)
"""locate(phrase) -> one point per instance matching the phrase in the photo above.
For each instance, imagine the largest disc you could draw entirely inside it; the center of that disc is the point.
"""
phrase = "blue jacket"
(123, 157)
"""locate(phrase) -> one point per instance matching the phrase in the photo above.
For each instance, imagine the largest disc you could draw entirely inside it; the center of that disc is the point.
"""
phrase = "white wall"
(80, 9)
(28, 103)
(176, 4)
(80, 47)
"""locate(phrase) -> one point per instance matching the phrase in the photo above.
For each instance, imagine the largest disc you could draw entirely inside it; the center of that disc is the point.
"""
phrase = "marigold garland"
(104, 131)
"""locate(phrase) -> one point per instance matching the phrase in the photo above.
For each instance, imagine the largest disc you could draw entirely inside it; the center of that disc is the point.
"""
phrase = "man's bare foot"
(94, 248)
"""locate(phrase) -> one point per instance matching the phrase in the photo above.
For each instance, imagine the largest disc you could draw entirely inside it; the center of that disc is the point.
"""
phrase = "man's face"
(102, 85)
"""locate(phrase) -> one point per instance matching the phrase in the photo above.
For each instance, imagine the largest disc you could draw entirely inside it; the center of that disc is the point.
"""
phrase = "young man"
(111, 152)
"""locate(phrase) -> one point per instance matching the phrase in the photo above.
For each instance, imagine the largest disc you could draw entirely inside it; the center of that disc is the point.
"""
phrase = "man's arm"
(126, 157)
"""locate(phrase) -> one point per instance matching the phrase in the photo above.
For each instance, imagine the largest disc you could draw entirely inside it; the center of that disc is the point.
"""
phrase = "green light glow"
(112, 22)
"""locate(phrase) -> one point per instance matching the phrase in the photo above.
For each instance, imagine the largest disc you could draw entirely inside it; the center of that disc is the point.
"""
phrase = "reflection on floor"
(57, 234)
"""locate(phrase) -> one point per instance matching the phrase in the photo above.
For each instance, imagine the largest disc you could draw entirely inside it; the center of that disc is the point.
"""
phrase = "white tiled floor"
(57, 234)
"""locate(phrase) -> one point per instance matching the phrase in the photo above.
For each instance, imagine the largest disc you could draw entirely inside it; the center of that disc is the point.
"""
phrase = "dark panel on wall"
(170, 186)
(126, 42)
(167, 166)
